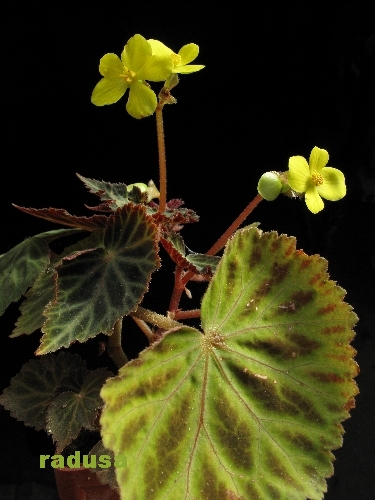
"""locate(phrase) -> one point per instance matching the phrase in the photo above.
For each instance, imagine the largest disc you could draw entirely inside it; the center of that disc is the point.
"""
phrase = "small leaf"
(69, 412)
(32, 390)
(105, 476)
(195, 262)
(171, 217)
(115, 194)
(253, 407)
(20, 267)
(98, 287)
(204, 263)
(172, 246)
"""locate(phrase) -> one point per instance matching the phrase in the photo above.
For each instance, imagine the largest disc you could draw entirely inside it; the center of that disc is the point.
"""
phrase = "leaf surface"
(252, 407)
(70, 411)
(195, 262)
(20, 267)
(32, 390)
(32, 308)
(61, 216)
(114, 194)
(98, 287)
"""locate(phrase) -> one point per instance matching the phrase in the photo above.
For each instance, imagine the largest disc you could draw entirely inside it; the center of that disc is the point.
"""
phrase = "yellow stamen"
(128, 75)
(317, 179)
(176, 59)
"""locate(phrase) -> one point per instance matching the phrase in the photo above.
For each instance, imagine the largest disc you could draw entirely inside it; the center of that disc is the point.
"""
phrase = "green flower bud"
(270, 186)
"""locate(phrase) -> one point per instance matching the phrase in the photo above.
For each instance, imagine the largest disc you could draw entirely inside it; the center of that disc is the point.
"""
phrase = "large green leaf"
(20, 266)
(251, 409)
(97, 287)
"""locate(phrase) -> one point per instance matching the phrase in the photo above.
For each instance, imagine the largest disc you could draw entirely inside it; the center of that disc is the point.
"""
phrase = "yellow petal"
(318, 159)
(142, 101)
(156, 69)
(313, 200)
(190, 68)
(333, 187)
(299, 174)
(110, 66)
(108, 91)
(159, 49)
(188, 53)
(136, 52)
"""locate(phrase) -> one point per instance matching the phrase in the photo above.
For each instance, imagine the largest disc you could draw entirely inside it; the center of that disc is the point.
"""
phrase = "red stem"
(181, 280)
(162, 160)
(221, 242)
(177, 290)
(193, 313)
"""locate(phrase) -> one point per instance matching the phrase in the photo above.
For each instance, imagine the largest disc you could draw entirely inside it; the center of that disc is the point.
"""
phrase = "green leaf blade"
(115, 194)
(96, 288)
(287, 334)
(163, 400)
(32, 390)
(253, 407)
(20, 267)
(69, 412)
(32, 308)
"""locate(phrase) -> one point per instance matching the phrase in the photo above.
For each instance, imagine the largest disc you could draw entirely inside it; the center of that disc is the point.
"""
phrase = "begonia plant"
(247, 406)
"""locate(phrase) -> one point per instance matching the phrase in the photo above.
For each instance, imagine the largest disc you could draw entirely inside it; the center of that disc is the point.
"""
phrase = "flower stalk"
(162, 159)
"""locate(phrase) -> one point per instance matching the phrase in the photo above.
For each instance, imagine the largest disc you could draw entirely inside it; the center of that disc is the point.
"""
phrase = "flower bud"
(269, 186)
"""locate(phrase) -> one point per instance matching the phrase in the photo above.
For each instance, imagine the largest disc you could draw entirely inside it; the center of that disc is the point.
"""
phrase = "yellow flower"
(137, 64)
(315, 179)
(180, 61)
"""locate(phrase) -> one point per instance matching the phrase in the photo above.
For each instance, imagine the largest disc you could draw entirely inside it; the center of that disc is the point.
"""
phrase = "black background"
(279, 79)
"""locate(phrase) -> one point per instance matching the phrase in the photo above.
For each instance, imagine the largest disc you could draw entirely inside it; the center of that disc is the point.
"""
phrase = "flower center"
(176, 59)
(128, 75)
(317, 179)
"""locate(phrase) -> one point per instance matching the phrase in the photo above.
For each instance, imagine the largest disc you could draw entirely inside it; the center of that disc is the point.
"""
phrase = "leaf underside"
(252, 408)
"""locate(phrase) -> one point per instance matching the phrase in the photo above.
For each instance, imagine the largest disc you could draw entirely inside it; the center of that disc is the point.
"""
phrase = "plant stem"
(162, 160)
(114, 348)
(193, 313)
(177, 290)
(145, 328)
(221, 242)
(156, 319)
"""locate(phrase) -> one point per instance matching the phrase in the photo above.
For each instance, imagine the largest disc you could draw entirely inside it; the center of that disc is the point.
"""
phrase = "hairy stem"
(193, 313)
(162, 160)
(114, 347)
(145, 328)
(221, 242)
(227, 234)
(177, 291)
(156, 319)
